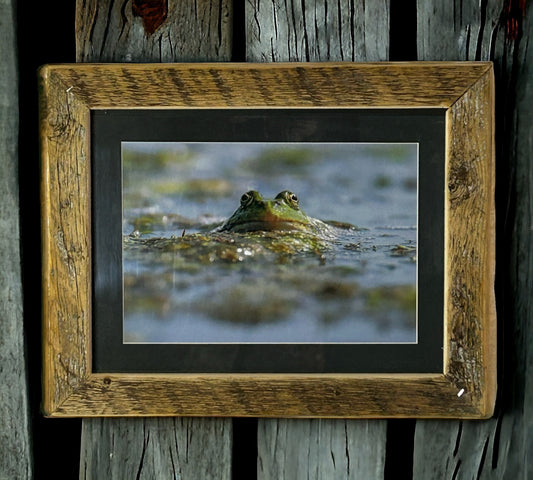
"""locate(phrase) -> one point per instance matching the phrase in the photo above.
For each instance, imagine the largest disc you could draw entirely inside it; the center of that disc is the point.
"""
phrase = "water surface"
(359, 285)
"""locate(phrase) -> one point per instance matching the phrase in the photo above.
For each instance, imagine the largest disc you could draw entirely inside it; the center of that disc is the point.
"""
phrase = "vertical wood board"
(317, 30)
(322, 449)
(500, 447)
(278, 31)
(108, 31)
(15, 444)
(153, 448)
(153, 31)
(457, 30)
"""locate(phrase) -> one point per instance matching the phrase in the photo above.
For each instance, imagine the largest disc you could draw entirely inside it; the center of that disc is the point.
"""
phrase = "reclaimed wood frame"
(467, 386)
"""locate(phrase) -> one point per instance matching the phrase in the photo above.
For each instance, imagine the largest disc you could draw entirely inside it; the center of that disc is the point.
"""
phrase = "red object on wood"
(513, 12)
(152, 12)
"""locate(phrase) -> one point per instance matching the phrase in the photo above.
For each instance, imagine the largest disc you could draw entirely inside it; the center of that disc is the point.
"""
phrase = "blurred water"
(361, 289)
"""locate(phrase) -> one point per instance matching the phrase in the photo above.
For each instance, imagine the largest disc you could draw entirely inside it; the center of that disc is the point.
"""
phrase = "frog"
(279, 214)
(260, 228)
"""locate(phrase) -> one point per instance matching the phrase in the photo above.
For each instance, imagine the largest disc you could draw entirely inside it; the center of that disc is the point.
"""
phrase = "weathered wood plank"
(321, 449)
(278, 31)
(229, 85)
(142, 31)
(15, 446)
(458, 30)
(317, 30)
(153, 31)
(470, 252)
(501, 447)
(65, 198)
(156, 448)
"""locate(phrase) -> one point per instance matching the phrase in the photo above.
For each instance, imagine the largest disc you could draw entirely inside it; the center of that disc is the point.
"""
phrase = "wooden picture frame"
(466, 386)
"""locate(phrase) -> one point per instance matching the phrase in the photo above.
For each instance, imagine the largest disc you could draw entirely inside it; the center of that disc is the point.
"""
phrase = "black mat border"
(111, 127)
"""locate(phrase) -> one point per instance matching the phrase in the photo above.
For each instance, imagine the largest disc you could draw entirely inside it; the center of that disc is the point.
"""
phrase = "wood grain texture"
(500, 447)
(162, 31)
(70, 92)
(65, 200)
(15, 444)
(321, 449)
(458, 31)
(154, 448)
(154, 31)
(317, 30)
(353, 396)
(281, 85)
(470, 244)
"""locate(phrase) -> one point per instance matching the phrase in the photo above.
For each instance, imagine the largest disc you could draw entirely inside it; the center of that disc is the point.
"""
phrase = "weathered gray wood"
(503, 446)
(457, 30)
(317, 30)
(320, 30)
(153, 31)
(169, 32)
(320, 449)
(153, 448)
(15, 447)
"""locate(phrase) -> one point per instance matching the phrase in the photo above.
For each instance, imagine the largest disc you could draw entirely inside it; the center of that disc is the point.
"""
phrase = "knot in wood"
(463, 182)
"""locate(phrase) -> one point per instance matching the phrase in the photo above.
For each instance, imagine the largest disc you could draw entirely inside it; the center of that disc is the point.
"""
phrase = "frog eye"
(288, 197)
(247, 198)
(292, 198)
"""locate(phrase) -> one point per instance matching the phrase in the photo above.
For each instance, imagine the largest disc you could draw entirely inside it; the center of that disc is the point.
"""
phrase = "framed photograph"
(303, 240)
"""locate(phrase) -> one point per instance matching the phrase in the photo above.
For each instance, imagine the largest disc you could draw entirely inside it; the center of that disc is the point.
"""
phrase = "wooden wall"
(265, 31)
(15, 447)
